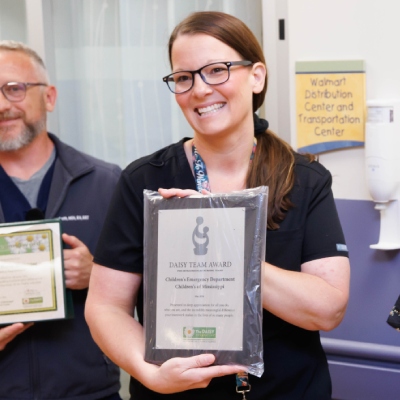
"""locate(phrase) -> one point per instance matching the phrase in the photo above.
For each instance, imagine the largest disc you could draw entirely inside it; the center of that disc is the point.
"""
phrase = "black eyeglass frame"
(25, 85)
(229, 64)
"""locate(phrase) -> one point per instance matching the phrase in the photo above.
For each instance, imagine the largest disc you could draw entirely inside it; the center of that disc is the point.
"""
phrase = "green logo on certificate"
(199, 333)
(32, 300)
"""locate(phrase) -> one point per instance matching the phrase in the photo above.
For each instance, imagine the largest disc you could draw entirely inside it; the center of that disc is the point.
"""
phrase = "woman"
(219, 77)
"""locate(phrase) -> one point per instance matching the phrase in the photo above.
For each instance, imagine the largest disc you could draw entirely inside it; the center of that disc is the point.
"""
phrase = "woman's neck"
(227, 161)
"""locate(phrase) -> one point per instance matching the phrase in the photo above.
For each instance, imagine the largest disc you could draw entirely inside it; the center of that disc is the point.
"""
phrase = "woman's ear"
(259, 73)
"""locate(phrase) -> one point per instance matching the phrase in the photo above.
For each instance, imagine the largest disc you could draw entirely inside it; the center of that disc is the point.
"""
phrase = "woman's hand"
(180, 374)
(173, 192)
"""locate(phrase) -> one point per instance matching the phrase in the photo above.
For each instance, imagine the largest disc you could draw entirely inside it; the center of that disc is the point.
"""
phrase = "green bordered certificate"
(32, 284)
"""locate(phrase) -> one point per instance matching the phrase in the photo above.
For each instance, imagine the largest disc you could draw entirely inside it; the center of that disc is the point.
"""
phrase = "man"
(41, 177)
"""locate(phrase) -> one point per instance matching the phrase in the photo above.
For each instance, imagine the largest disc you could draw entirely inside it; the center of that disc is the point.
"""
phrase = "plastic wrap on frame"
(202, 276)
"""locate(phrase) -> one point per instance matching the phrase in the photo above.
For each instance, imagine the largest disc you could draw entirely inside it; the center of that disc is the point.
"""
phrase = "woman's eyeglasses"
(212, 74)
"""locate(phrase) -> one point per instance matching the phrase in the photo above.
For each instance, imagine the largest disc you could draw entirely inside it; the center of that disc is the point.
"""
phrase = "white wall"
(332, 30)
(13, 20)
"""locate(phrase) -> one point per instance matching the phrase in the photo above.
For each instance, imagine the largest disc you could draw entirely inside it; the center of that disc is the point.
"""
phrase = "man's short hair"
(12, 45)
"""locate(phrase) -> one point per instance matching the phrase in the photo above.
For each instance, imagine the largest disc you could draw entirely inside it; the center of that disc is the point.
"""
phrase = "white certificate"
(202, 276)
(31, 272)
(200, 279)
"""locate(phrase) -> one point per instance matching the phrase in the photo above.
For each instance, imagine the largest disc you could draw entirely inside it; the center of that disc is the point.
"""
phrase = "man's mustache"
(8, 115)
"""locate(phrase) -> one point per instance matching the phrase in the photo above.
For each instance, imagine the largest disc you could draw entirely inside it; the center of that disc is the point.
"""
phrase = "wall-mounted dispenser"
(382, 152)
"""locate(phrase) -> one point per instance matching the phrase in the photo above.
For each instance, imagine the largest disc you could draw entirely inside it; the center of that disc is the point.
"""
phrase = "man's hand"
(8, 333)
(78, 262)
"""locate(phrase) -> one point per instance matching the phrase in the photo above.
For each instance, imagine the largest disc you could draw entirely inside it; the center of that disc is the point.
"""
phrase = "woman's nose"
(199, 86)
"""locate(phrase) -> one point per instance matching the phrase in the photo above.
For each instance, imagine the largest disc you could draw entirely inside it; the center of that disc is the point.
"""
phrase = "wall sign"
(330, 105)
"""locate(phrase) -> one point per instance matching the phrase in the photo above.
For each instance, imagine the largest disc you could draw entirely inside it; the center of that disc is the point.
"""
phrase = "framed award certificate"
(32, 284)
(202, 276)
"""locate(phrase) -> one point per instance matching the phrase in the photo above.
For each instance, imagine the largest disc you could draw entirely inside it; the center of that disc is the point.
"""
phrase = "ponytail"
(273, 166)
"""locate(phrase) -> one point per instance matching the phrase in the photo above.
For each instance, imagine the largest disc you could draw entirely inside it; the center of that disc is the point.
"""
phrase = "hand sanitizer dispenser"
(382, 152)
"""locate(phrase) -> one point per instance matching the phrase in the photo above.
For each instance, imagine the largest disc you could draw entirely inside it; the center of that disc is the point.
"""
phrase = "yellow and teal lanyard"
(202, 182)
(242, 383)
(200, 170)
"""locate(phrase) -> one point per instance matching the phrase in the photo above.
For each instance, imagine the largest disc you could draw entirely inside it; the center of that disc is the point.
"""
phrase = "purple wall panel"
(358, 373)
(375, 277)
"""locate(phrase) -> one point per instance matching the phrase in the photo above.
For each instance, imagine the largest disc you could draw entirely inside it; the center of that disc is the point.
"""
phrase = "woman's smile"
(209, 109)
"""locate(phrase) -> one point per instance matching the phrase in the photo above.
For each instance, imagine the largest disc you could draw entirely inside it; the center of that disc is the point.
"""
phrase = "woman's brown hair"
(273, 163)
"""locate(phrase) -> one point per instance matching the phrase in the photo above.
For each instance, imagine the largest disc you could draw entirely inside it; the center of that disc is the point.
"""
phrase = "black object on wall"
(281, 29)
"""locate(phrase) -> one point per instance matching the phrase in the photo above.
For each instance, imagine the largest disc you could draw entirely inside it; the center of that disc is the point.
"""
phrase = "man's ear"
(259, 72)
(50, 97)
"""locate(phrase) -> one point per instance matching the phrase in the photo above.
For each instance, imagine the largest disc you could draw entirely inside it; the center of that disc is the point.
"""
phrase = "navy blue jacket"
(59, 359)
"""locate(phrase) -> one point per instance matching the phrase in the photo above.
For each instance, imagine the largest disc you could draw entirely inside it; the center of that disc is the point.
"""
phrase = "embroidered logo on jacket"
(75, 218)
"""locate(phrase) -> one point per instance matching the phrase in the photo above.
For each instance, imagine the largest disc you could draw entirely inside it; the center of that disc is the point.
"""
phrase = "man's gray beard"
(25, 137)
